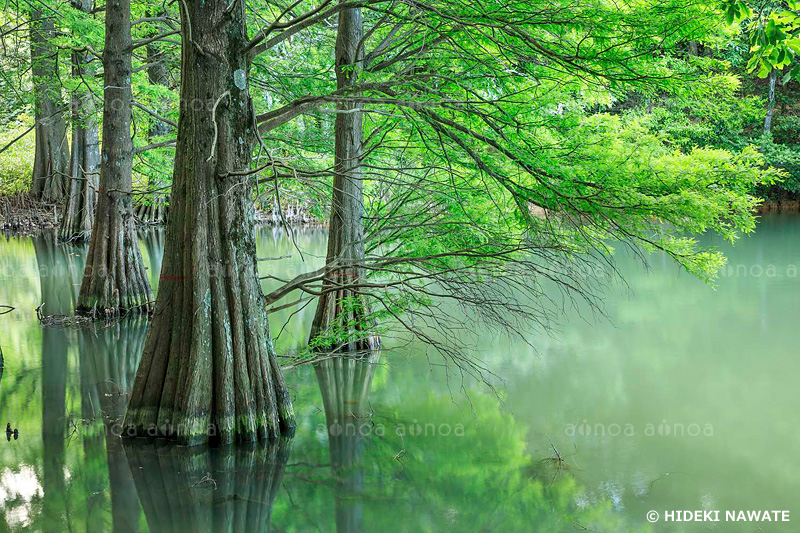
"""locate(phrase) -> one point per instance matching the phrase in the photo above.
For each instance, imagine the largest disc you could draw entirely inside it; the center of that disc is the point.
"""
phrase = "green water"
(683, 397)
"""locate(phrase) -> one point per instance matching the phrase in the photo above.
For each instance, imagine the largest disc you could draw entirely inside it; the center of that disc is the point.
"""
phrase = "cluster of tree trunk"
(78, 216)
(209, 371)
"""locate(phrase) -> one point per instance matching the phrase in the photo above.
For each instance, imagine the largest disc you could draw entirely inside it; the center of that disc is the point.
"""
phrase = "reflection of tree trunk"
(345, 310)
(208, 367)
(51, 157)
(345, 386)
(115, 281)
(108, 364)
(178, 493)
(54, 392)
(78, 216)
(58, 271)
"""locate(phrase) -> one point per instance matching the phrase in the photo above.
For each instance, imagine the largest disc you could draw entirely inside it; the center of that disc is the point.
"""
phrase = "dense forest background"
(737, 107)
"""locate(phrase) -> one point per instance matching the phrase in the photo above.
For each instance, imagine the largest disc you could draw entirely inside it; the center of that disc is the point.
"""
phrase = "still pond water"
(685, 397)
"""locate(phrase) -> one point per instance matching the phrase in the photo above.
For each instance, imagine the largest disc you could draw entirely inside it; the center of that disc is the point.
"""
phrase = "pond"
(681, 397)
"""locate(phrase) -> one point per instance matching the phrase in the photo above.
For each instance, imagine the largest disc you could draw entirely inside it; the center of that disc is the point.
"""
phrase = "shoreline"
(20, 215)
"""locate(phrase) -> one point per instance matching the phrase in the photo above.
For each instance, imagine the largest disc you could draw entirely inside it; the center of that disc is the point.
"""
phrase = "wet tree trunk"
(51, 157)
(114, 280)
(209, 370)
(78, 216)
(342, 308)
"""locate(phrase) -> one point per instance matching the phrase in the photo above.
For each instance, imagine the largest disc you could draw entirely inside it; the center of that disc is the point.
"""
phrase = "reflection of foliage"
(401, 472)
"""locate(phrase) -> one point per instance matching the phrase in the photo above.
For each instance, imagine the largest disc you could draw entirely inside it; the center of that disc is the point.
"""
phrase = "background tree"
(340, 309)
(51, 159)
(114, 279)
(78, 216)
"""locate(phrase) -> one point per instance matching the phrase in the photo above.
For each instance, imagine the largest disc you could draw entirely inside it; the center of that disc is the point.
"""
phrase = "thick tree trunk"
(78, 216)
(773, 77)
(51, 157)
(114, 280)
(209, 370)
(344, 309)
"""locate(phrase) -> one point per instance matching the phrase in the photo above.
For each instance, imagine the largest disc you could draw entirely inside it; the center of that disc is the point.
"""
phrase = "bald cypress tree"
(209, 369)
(114, 280)
(51, 158)
(340, 308)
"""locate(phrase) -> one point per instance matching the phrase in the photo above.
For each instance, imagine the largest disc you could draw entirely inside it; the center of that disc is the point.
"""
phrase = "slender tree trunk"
(114, 280)
(51, 157)
(78, 216)
(209, 369)
(344, 309)
(773, 77)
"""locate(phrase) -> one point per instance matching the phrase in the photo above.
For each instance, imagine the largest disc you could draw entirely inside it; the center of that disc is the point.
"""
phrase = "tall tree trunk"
(51, 157)
(114, 280)
(78, 216)
(209, 369)
(343, 307)
(773, 77)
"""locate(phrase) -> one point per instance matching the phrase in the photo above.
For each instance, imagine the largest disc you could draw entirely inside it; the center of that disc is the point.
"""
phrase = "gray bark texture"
(773, 77)
(209, 371)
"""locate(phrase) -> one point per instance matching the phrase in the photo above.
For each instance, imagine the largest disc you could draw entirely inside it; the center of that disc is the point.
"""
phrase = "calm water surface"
(684, 398)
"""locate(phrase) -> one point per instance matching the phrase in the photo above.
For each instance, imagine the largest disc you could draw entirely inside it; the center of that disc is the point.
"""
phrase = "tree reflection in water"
(199, 488)
(345, 385)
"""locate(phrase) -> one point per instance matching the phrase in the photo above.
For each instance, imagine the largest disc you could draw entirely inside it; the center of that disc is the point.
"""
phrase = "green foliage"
(16, 163)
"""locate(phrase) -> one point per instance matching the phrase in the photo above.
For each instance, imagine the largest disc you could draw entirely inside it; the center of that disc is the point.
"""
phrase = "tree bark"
(51, 157)
(78, 216)
(114, 280)
(344, 310)
(209, 371)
